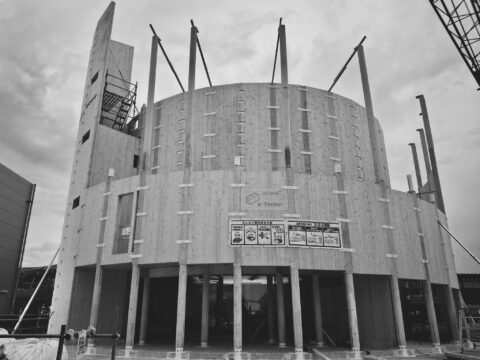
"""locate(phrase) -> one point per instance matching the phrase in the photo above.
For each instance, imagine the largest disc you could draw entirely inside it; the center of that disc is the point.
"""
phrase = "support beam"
(296, 308)
(144, 314)
(428, 168)
(132, 307)
(237, 307)
(410, 183)
(97, 288)
(452, 312)
(181, 307)
(205, 314)
(193, 58)
(271, 314)
(152, 74)
(432, 317)
(352, 315)
(219, 305)
(280, 311)
(418, 174)
(317, 310)
(283, 54)
(372, 123)
(398, 315)
(431, 150)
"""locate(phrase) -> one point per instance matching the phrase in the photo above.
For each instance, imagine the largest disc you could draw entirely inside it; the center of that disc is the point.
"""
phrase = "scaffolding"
(118, 104)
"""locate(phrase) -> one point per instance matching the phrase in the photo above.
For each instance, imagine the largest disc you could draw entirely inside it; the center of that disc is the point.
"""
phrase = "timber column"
(144, 314)
(280, 310)
(317, 309)
(427, 286)
(97, 287)
(138, 213)
(205, 303)
(381, 178)
(342, 193)
(296, 308)
(271, 316)
(185, 192)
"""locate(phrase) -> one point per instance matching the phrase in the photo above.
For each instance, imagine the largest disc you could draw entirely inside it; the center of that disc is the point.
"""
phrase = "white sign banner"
(257, 232)
(304, 233)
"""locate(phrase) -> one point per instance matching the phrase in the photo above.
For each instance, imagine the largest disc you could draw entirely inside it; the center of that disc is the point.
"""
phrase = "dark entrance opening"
(336, 330)
(162, 310)
(414, 310)
(441, 311)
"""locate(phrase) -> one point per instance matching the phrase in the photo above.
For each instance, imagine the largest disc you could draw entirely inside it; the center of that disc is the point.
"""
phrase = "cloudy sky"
(44, 48)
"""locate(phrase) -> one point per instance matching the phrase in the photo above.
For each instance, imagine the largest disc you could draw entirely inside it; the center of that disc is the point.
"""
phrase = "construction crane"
(461, 19)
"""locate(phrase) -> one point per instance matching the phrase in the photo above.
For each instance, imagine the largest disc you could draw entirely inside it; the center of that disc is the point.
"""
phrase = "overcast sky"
(44, 49)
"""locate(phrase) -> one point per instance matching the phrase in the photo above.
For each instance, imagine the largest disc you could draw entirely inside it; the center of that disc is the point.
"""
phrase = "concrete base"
(403, 352)
(91, 350)
(281, 345)
(237, 355)
(354, 354)
(128, 352)
(437, 349)
(298, 355)
(178, 355)
(204, 345)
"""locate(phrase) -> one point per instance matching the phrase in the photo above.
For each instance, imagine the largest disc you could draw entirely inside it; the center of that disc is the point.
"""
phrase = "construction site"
(248, 218)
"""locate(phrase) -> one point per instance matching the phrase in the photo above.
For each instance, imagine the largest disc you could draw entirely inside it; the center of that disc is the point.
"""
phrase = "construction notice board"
(303, 233)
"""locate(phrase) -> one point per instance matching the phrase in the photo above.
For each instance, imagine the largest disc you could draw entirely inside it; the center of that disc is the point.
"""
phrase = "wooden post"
(271, 316)
(372, 123)
(97, 285)
(296, 308)
(97, 288)
(452, 313)
(398, 315)
(132, 307)
(280, 310)
(410, 183)
(181, 307)
(144, 314)
(428, 168)
(418, 174)
(283, 54)
(317, 310)
(431, 150)
(352, 314)
(205, 314)
(219, 305)
(237, 306)
(432, 317)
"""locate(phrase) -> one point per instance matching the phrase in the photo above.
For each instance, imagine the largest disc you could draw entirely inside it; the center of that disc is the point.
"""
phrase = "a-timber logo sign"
(267, 199)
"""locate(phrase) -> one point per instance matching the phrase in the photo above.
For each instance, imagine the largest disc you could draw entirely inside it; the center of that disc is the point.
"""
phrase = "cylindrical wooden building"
(244, 213)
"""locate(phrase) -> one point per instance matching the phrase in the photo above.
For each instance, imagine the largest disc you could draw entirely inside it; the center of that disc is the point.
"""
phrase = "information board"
(257, 232)
(314, 234)
(304, 233)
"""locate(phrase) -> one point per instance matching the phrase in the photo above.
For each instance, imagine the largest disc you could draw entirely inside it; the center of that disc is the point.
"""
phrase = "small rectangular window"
(94, 78)
(135, 161)
(124, 221)
(76, 202)
(85, 136)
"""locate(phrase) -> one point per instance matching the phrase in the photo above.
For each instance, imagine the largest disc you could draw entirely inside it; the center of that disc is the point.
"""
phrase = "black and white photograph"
(239, 180)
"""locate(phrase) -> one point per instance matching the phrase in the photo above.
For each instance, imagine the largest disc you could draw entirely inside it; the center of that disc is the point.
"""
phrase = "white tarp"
(30, 349)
